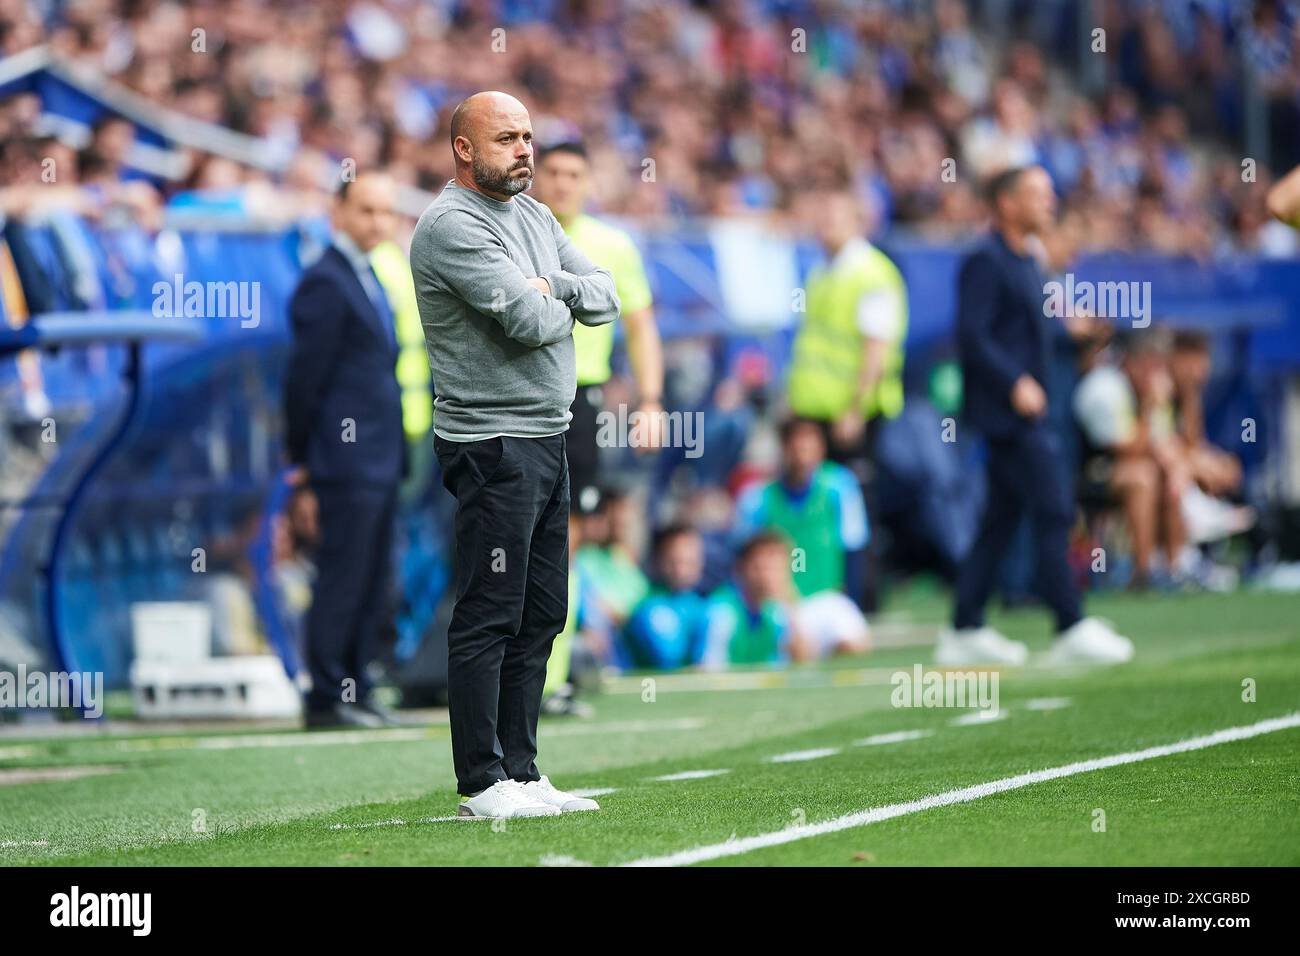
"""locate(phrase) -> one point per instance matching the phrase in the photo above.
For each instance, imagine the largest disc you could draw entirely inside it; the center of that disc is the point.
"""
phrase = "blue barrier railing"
(61, 331)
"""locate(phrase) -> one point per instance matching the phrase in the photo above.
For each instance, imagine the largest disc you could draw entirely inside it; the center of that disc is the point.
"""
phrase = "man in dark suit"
(1003, 341)
(344, 421)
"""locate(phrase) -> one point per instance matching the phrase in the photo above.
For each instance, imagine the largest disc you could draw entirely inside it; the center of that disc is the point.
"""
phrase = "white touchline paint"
(397, 822)
(367, 826)
(964, 795)
(979, 717)
(715, 681)
(621, 726)
(690, 775)
(1046, 703)
(454, 817)
(897, 737)
(798, 755)
(22, 775)
(292, 739)
(387, 735)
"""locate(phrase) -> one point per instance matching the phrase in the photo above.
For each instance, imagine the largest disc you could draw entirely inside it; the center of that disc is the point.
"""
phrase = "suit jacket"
(1001, 334)
(342, 366)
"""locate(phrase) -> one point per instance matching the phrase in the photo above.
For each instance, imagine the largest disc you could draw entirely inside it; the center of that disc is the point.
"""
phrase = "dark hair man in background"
(1003, 343)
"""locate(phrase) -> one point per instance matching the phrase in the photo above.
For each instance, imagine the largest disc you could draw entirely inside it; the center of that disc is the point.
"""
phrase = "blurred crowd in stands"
(713, 101)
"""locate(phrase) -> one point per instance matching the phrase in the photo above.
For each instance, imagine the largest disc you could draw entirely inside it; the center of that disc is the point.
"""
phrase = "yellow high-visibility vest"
(394, 271)
(612, 249)
(828, 348)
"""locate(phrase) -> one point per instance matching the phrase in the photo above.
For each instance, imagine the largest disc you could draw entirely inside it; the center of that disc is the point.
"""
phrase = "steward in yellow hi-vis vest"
(614, 250)
(859, 295)
(393, 269)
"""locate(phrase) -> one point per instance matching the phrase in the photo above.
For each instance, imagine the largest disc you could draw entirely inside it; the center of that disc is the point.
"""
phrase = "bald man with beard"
(499, 289)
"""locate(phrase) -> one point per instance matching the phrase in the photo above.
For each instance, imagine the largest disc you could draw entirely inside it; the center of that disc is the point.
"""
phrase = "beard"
(501, 180)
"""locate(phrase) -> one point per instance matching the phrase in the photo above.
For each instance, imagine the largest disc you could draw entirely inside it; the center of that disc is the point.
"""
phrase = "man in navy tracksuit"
(1003, 339)
(343, 415)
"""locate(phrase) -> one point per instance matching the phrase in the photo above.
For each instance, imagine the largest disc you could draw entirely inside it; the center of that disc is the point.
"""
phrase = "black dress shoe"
(339, 715)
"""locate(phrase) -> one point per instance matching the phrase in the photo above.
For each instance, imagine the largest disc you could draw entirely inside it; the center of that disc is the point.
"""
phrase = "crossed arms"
(470, 261)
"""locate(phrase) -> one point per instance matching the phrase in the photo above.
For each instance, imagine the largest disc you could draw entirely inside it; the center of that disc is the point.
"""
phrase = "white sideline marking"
(621, 726)
(593, 791)
(897, 737)
(689, 775)
(963, 795)
(367, 826)
(1046, 703)
(328, 738)
(397, 822)
(979, 717)
(715, 681)
(797, 755)
(50, 774)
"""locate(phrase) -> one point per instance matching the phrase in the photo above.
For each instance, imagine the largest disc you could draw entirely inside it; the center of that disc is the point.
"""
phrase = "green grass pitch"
(279, 797)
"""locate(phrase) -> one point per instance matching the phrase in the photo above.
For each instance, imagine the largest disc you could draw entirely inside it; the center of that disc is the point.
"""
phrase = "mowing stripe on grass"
(963, 795)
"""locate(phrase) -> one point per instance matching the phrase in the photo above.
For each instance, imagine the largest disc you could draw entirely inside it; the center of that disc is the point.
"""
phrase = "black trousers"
(350, 596)
(1026, 475)
(580, 440)
(512, 598)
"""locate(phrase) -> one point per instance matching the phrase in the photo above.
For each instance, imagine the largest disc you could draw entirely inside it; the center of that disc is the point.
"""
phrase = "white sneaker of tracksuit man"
(512, 798)
(1091, 641)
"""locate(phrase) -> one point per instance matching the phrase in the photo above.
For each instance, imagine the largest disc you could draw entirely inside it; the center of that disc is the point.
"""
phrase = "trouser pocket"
(476, 462)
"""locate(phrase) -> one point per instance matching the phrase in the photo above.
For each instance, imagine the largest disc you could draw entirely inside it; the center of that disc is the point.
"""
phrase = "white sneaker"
(1091, 641)
(978, 645)
(505, 798)
(564, 802)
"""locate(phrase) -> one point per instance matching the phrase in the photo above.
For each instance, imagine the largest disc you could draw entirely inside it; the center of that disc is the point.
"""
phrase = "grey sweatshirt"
(500, 351)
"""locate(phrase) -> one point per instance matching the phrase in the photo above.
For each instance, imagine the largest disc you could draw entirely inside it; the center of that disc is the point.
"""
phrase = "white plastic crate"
(177, 631)
(218, 687)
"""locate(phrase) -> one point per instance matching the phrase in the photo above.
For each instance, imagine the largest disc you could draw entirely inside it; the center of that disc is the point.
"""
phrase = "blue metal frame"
(51, 331)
